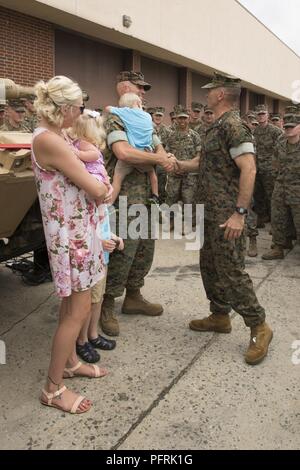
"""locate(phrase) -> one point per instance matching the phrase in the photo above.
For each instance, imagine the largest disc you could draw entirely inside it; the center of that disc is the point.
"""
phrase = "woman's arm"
(53, 153)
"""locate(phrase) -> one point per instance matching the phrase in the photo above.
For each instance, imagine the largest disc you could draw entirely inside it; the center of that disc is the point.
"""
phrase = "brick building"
(39, 39)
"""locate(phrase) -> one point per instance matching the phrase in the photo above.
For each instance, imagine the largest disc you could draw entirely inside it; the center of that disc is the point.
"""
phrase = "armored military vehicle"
(21, 229)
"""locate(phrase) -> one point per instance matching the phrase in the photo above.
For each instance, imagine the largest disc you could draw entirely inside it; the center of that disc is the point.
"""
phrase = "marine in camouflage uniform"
(173, 124)
(2, 112)
(163, 133)
(31, 119)
(266, 136)
(276, 120)
(196, 123)
(286, 195)
(251, 219)
(185, 144)
(227, 148)
(208, 120)
(128, 268)
(14, 119)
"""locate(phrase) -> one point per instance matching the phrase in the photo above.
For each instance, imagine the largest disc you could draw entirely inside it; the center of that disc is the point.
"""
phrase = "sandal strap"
(70, 370)
(76, 404)
(96, 369)
(50, 396)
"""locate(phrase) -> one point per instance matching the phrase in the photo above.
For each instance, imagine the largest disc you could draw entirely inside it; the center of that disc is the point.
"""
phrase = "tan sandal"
(99, 372)
(58, 393)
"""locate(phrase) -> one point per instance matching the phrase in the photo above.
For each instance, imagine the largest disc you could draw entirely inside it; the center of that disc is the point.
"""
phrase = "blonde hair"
(58, 91)
(89, 126)
(129, 100)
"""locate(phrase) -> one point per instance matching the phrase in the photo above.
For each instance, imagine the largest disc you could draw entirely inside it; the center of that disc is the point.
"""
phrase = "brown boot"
(261, 337)
(218, 323)
(108, 320)
(252, 251)
(275, 253)
(134, 303)
(287, 246)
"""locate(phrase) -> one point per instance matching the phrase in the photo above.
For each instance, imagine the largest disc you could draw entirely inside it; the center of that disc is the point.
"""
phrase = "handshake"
(170, 163)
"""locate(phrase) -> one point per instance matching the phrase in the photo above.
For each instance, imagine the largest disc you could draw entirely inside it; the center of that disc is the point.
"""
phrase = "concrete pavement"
(168, 387)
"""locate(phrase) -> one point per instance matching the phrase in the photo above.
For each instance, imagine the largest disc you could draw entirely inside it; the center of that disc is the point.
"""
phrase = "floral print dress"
(70, 219)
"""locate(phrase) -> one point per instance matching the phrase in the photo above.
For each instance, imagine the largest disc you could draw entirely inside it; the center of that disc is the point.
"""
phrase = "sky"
(282, 17)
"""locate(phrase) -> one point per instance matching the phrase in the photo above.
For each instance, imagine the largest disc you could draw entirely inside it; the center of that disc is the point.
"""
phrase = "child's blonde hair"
(89, 126)
(128, 100)
(58, 91)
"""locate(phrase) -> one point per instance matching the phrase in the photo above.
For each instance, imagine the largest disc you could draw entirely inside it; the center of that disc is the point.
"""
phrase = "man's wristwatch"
(241, 210)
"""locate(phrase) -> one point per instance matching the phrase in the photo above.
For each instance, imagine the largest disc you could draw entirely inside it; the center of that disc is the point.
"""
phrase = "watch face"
(241, 210)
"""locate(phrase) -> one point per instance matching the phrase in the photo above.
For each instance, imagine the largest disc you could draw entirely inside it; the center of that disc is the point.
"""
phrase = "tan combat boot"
(275, 253)
(217, 323)
(287, 246)
(108, 320)
(252, 250)
(261, 337)
(134, 303)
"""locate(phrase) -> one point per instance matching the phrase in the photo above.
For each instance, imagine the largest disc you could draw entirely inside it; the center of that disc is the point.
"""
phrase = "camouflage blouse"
(287, 157)
(184, 145)
(226, 139)
(266, 138)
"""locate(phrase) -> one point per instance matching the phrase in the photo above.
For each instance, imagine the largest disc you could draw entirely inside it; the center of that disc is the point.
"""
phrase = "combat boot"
(108, 321)
(261, 337)
(275, 253)
(134, 303)
(217, 323)
(287, 246)
(252, 250)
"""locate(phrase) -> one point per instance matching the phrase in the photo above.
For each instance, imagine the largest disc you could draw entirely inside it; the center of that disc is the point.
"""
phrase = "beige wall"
(201, 34)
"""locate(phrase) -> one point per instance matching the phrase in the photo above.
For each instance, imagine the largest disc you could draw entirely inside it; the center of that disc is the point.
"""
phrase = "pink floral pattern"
(70, 219)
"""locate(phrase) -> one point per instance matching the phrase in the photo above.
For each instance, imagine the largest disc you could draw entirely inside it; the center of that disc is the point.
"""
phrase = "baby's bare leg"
(122, 169)
(154, 182)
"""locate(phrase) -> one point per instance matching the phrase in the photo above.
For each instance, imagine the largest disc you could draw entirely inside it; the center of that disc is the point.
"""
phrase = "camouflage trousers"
(264, 186)
(285, 218)
(128, 268)
(182, 189)
(251, 222)
(227, 285)
(162, 182)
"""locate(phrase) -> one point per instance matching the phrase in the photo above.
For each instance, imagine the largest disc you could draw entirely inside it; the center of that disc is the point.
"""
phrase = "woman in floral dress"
(69, 198)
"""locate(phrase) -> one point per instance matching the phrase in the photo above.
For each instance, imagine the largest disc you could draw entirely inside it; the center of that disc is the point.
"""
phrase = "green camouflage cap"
(261, 109)
(207, 109)
(291, 109)
(137, 78)
(16, 104)
(251, 115)
(224, 81)
(180, 111)
(275, 117)
(159, 110)
(150, 110)
(30, 98)
(291, 120)
(253, 120)
(196, 106)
